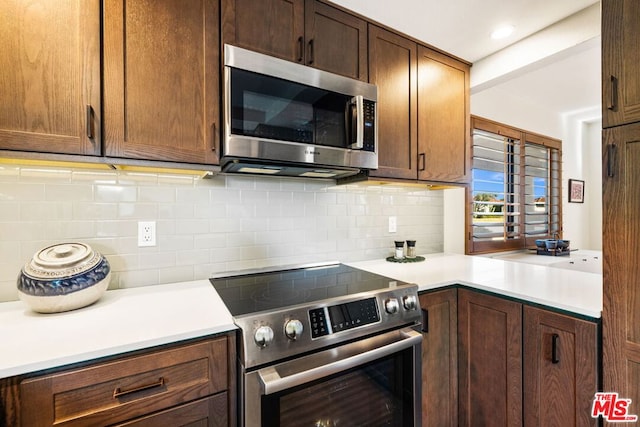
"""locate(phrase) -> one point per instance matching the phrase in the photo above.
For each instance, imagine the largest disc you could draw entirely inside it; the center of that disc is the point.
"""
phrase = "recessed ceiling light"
(502, 32)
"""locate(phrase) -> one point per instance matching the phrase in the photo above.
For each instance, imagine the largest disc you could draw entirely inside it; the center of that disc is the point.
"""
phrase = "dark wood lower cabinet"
(208, 412)
(439, 358)
(186, 384)
(490, 360)
(517, 365)
(560, 369)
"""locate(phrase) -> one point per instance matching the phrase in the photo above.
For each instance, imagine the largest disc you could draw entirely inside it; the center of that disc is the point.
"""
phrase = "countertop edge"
(115, 351)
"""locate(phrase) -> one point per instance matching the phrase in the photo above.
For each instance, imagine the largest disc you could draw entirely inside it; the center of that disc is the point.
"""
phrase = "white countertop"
(122, 320)
(564, 289)
(132, 319)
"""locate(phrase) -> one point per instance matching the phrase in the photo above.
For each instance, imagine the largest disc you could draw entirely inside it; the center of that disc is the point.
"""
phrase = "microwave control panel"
(369, 141)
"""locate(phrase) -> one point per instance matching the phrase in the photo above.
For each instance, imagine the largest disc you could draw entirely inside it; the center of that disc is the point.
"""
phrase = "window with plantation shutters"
(515, 194)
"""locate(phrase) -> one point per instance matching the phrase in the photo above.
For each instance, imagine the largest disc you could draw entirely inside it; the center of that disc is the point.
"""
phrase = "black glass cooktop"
(251, 293)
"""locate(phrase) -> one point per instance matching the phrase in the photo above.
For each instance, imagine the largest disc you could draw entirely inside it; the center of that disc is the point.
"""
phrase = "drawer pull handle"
(89, 121)
(555, 338)
(422, 163)
(118, 392)
(425, 320)
(614, 91)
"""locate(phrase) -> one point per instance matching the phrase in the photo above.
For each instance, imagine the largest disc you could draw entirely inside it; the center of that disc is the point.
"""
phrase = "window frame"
(555, 200)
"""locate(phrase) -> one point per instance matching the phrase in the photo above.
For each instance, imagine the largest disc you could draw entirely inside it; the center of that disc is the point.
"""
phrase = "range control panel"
(336, 318)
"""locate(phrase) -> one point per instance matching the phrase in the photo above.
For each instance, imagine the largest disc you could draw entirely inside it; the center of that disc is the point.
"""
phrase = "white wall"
(582, 160)
(204, 226)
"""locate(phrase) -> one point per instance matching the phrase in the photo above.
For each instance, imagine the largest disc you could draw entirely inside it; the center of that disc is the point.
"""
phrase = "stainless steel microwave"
(283, 118)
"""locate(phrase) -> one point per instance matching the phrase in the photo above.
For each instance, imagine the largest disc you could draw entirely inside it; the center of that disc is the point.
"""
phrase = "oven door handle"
(273, 382)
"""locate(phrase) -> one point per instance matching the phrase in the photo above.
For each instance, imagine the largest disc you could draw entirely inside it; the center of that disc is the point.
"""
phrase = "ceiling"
(463, 28)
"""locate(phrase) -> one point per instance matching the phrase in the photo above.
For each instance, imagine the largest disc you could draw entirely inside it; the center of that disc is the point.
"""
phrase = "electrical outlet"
(146, 233)
(393, 224)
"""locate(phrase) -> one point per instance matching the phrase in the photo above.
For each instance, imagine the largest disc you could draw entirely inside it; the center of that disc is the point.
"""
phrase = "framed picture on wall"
(576, 191)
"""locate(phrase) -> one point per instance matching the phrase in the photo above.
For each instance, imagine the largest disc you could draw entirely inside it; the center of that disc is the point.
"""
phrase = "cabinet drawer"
(210, 412)
(128, 388)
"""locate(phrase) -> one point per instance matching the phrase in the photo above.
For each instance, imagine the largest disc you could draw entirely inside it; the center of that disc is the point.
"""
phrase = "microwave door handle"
(356, 106)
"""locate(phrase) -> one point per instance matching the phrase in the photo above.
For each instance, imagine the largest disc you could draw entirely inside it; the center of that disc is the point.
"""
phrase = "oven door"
(370, 382)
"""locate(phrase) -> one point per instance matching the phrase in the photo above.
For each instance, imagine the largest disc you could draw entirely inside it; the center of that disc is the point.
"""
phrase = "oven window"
(376, 394)
(271, 108)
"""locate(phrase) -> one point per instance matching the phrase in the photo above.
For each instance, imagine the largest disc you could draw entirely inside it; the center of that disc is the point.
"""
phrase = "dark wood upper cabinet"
(621, 200)
(443, 117)
(50, 77)
(308, 32)
(161, 80)
(560, 369)
(272, 27)
(620, 59)
(439, 358)
(423, 110)
(336, 41)
(490, 360)
(393, 67)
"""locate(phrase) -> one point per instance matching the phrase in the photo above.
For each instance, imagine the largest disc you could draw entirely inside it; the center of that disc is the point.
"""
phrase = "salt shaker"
(399, 254)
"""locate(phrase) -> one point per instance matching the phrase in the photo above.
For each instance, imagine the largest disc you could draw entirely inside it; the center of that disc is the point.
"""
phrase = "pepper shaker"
(411, 248)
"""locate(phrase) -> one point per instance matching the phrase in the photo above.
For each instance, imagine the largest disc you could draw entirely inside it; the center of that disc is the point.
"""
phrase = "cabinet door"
(439, 358)
(620, 59)
(272, 27)
(50, 76)
(621, 269)
(490, 360)
(560, 369)
(443, 117)
(335, 41)
(393, 68)
(161, 80)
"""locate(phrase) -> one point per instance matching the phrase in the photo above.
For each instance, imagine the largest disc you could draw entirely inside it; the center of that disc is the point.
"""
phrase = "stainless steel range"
(325, 345)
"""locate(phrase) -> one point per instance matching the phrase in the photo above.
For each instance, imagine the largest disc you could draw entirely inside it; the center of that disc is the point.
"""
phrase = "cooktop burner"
(271, 290)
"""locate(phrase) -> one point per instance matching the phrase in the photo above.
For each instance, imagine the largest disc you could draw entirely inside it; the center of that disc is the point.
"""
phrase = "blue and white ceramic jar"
(63, 277)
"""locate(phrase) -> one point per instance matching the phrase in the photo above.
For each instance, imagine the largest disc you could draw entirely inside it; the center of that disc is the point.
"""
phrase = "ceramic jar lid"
(62, 260)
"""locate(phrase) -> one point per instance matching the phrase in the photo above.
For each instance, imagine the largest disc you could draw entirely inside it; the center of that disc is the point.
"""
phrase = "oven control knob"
(391, 306)
(293, 329)
(263, 336)
(410, 302)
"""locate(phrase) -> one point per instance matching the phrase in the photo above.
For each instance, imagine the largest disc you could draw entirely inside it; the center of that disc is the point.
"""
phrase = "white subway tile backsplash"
(204, 225)
(115, 193)
(20, 191)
